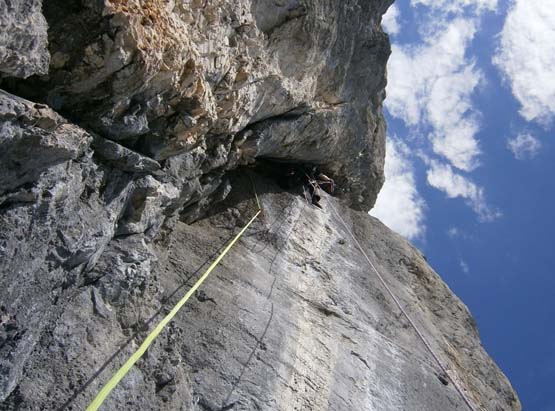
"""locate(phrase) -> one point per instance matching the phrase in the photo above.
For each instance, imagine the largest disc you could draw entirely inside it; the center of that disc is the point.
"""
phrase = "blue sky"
(470, 170)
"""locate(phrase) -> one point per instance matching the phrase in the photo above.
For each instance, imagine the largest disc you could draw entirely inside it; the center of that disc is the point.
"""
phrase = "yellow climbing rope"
(122, 372)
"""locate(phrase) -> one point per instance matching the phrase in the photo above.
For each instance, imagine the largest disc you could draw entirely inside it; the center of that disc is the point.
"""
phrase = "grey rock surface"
(124, 170)
(292, 319)
(33, 139)
(164, 78)
(23, 39)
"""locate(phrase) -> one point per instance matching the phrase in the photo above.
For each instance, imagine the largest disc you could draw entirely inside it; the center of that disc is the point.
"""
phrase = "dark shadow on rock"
(266, 177)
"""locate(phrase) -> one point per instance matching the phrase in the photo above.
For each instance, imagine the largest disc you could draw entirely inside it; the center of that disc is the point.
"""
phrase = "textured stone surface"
(33, 138)
(292, 320)
(110, 165)
(166, 77)
(23, 38)
(62, 202)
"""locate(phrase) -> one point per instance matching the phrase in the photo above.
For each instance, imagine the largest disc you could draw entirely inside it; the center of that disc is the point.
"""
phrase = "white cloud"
(457, 5)
(442, 177)
(464, 266)
(458, 233)
(399, 204)
(526, 56)
(390, 20)
(432, 85)
(524, 146)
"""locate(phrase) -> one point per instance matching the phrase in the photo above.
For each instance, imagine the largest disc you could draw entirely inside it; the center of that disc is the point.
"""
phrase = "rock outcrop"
(123, 170)
(298, 81)
(23, 39)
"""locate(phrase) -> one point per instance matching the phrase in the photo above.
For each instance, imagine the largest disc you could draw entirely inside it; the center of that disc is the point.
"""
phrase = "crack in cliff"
(357, 355)
(259, 343)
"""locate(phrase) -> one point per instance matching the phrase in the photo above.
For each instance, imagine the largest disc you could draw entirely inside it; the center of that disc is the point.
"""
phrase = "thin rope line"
(420, 335)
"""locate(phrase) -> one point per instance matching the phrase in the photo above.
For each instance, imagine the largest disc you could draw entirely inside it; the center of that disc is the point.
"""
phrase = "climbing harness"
(122, 372)
(400, 306)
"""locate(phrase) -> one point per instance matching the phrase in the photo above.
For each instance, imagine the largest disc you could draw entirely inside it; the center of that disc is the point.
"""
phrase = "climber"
(310, 179)
(327, 183)
(312, 192)
(314, 184)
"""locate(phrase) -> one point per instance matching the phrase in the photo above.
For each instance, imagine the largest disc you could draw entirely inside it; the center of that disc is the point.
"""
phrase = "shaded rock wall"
(165, 78)
(109, 164)
(23, 39)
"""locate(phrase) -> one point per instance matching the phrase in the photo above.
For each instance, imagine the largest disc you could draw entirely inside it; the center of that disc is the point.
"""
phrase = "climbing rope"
(122, 372)
(126, 367)
(398, 303)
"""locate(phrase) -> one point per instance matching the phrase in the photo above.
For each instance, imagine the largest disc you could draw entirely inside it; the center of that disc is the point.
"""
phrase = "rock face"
(23, 39)
(298, 81)
(123, 171)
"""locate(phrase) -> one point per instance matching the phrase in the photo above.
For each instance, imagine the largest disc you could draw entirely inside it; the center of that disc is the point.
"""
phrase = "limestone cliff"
(126, 145)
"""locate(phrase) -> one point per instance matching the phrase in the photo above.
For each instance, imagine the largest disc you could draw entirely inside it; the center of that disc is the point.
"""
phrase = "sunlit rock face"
(168, 78)
(131, 136)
